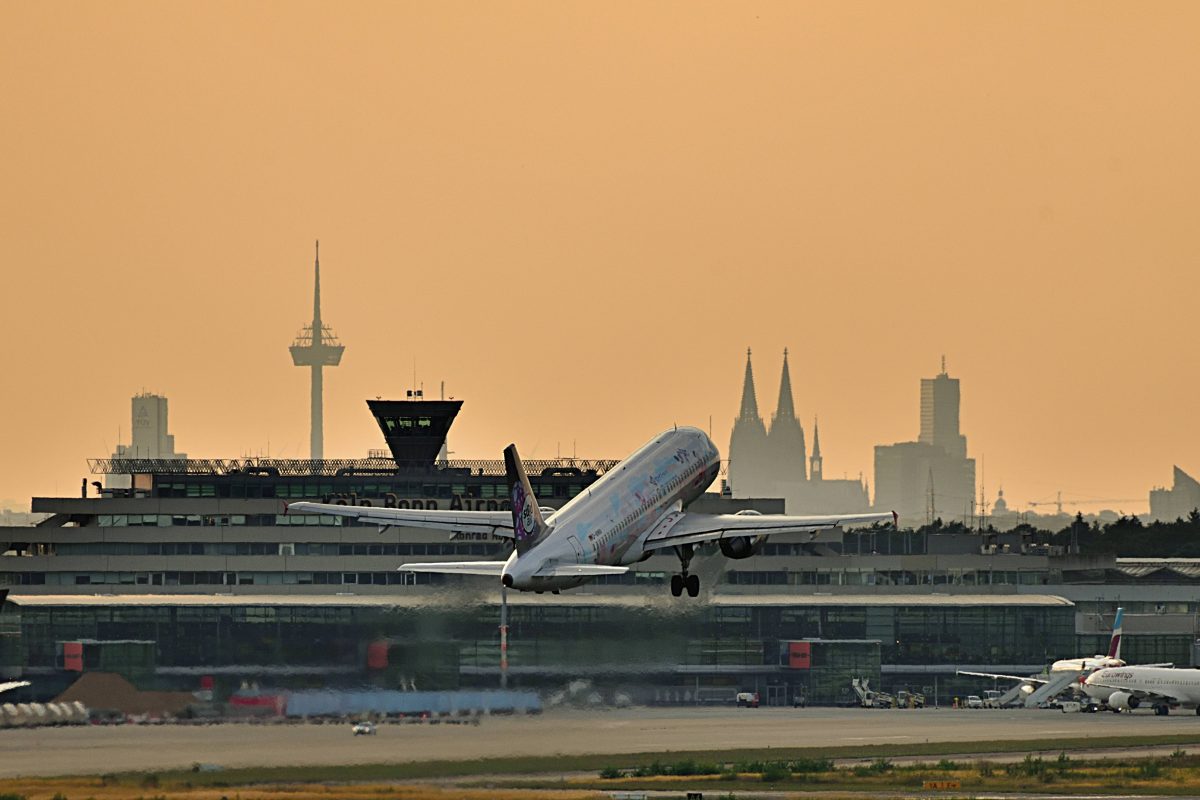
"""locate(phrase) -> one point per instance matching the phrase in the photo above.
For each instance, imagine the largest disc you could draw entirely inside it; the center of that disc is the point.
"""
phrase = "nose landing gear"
(682, 580)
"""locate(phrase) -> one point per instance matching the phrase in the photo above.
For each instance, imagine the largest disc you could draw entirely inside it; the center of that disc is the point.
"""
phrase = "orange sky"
(579, 216)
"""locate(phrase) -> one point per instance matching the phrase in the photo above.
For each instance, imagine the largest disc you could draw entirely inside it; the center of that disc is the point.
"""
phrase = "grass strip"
(533, 765)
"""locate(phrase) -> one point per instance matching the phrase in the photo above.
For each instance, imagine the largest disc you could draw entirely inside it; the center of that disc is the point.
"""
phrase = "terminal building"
(193, 573)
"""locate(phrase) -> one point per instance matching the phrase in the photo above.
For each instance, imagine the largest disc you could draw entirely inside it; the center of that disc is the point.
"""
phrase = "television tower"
(317, 346)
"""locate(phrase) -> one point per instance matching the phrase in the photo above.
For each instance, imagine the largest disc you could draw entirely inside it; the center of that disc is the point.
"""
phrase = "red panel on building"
(377, 655)
(73, 656)
(799, 655)
(206, 682)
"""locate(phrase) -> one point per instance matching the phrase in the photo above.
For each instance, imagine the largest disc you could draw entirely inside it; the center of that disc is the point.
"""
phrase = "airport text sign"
(799, 655)
(947, 784)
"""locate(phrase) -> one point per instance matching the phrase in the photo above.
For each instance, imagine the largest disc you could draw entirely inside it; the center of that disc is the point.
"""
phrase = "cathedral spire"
(785, 408)
(816, 465)
(749, 398)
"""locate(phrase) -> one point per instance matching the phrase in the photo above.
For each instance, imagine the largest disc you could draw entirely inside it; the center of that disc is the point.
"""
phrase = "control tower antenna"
(317, 347)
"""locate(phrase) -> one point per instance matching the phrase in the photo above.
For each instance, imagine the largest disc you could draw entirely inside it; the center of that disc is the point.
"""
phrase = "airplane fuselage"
(1086, 664)
(1183, 684)
(607, 522)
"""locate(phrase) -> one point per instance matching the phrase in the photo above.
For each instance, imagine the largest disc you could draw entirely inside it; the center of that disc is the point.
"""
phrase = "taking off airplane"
(637, 508)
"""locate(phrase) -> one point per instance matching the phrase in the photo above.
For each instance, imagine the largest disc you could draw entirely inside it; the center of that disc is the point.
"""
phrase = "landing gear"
(683, 580)
(1161, 711)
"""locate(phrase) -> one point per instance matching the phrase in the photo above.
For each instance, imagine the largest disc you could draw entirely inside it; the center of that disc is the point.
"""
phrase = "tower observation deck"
(317, 347)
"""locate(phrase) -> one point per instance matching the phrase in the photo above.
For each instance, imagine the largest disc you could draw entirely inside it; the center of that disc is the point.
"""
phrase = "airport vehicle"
(1161, 688)
(364, 729)
(973, 701)
(991, 698)
(747, 699)
(636, 509)
(907, 699)
(868, 697)
(1067, 665)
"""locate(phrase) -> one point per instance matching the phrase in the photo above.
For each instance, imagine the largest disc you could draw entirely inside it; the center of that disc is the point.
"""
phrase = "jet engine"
(1123, 701)
(743, 546)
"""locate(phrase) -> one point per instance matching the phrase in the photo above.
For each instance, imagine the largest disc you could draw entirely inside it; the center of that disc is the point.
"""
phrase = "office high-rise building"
(931, 478)
(149, 437)
(939, 414)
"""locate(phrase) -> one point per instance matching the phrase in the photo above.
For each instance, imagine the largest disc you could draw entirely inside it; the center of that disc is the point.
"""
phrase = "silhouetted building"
(1178, 501)
(766, 464)
(749, 471)
(317, 347)
(785, 449)
(931, 478)
(817, 469)
(939, 414)
(149, 437)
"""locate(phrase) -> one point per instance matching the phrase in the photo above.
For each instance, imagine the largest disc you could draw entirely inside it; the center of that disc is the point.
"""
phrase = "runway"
(97, 750)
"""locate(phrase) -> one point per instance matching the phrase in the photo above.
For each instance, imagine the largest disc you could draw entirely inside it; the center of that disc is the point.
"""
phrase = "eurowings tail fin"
(1114, 646)
(528, 525)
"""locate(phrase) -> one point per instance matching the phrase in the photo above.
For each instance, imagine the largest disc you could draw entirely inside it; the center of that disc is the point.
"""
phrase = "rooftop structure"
(317, 347)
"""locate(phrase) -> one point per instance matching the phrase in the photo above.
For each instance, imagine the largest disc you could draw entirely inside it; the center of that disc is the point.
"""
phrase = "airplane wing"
(572, 570)
(4, 687)
(493, 568)
(689, 528)
(497, 523)
(1005, 677)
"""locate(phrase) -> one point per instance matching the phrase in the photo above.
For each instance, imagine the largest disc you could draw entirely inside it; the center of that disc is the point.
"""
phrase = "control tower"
(317, 346)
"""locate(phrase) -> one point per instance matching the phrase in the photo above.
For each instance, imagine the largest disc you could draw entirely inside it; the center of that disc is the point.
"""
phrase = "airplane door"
(578, 549)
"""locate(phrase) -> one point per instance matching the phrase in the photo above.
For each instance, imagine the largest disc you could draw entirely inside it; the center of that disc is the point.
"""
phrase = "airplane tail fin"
(528, 525)
(1114, 646)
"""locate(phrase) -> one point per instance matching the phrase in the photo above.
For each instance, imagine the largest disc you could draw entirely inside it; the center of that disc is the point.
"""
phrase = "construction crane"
(1057, 502)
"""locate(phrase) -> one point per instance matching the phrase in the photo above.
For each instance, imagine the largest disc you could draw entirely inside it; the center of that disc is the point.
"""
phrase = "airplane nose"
(507, 580)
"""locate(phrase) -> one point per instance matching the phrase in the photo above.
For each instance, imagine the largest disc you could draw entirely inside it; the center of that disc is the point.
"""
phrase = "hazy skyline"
(579, 216)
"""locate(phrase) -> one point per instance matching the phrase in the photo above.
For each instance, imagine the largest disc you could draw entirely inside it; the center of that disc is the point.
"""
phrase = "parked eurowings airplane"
(1113, 659)
(636, 509)
(1126, 688)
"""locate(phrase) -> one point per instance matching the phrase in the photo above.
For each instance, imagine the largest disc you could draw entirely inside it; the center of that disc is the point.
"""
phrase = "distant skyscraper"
(939, 414)
(931, 477)
(148, 437)
(786, 451)
(1177, 502)
(317, 347)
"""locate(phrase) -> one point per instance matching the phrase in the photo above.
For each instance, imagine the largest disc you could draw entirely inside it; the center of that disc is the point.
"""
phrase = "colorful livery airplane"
(636, 509)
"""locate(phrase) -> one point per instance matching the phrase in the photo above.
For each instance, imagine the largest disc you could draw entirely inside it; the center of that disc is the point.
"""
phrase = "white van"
(974, 701)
